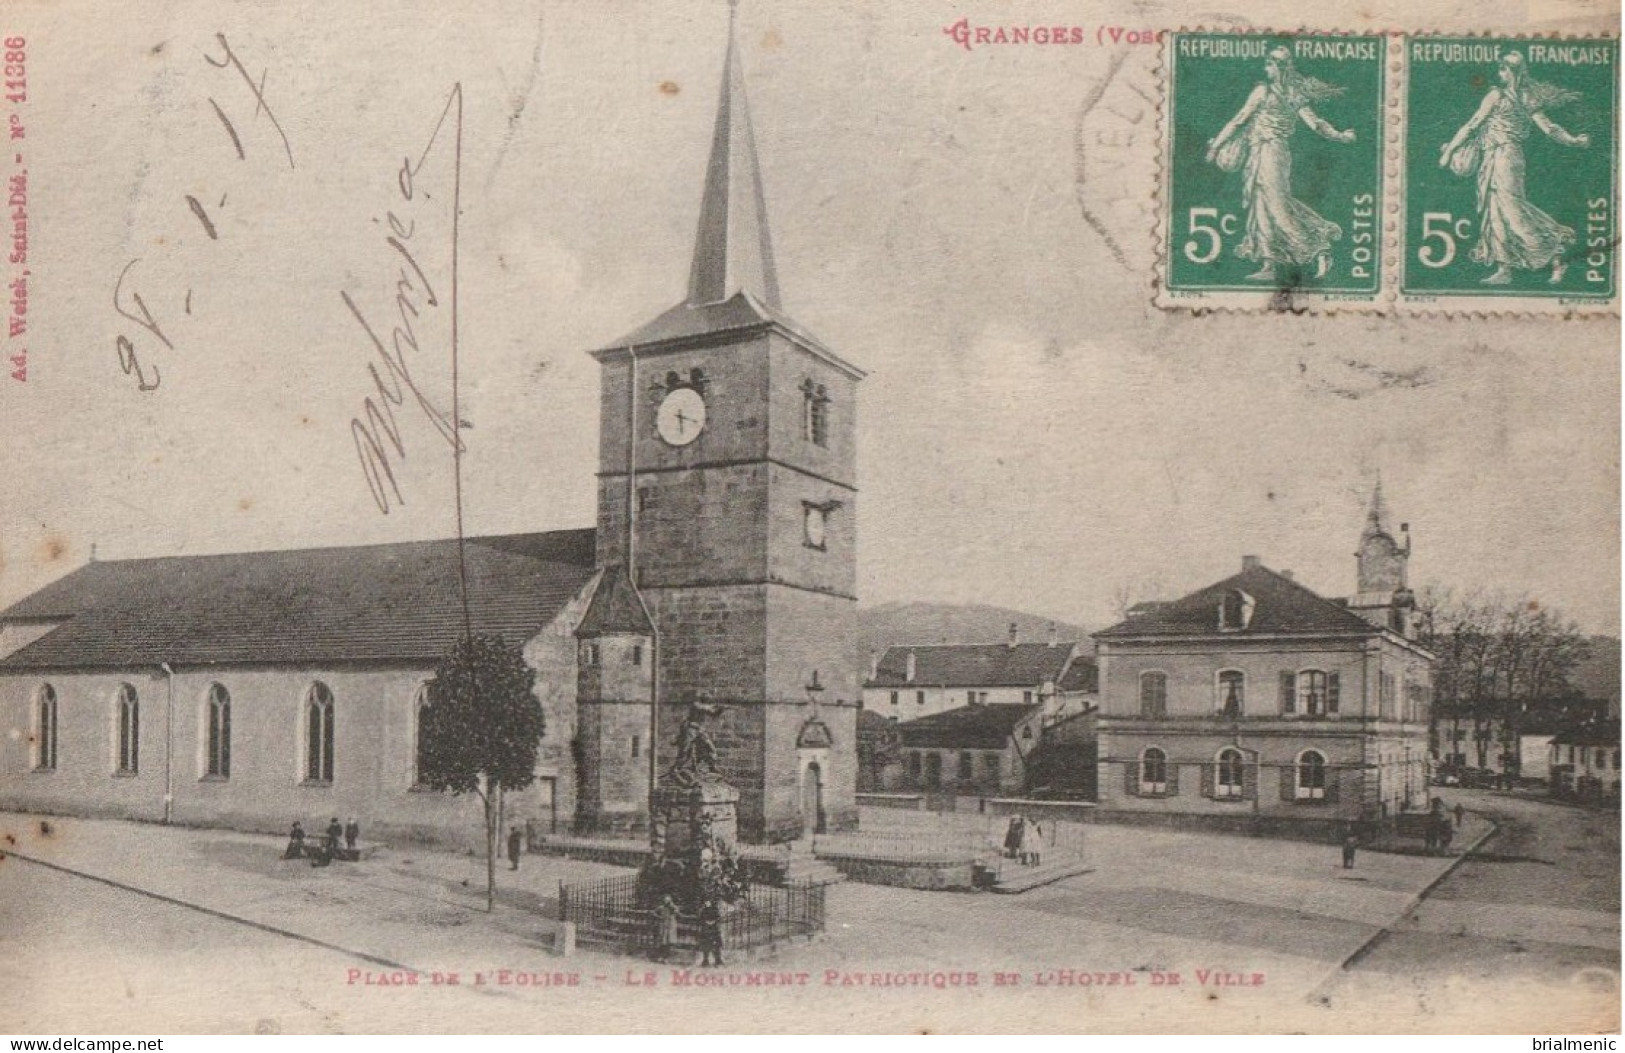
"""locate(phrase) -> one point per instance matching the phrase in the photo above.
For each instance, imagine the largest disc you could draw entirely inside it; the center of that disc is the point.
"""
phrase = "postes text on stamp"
(1510, 174)
(1273, 175)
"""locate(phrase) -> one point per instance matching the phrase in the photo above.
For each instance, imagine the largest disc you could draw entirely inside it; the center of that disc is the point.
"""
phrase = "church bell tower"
(726, 497)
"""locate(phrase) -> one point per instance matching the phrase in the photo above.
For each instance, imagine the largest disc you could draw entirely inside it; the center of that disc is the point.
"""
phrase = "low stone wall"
(904, 873)
(1319, 830)
(1043, 811)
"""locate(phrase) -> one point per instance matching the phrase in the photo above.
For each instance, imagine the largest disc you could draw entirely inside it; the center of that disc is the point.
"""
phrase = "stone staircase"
(1058, 866)
(794, 864)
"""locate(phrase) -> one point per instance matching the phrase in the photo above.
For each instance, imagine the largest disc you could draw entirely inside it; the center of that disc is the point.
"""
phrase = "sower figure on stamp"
(1512, 232)
(1281, 230)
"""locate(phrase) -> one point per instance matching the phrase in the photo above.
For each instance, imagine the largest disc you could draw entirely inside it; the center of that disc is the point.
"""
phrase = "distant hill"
(892, 624)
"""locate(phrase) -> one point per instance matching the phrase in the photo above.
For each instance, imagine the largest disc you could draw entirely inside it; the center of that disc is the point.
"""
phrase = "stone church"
(253, 689)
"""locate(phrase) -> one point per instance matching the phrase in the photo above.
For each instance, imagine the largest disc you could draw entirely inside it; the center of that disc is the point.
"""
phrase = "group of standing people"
(1024, 841)
(321, 853)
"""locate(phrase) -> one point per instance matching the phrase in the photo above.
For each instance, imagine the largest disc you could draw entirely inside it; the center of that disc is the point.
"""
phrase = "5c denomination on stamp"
(1511, 174)
(1273, 176)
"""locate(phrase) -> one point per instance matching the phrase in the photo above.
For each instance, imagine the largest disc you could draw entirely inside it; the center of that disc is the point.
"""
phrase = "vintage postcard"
(749, 515)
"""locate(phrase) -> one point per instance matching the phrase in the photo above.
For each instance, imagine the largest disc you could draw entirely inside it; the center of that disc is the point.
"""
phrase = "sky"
(975, 229)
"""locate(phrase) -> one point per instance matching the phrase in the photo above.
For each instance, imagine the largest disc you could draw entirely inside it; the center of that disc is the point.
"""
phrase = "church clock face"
(681, 416)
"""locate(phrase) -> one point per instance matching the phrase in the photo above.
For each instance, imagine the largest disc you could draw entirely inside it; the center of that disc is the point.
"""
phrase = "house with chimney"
(1256, 704)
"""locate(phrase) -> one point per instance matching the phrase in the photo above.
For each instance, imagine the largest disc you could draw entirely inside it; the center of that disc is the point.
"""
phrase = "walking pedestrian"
(515, 843)
(1012, 837)
(1351, 844)
(1034, 840)
(1460, 811)
(352, 834)
(296, 842)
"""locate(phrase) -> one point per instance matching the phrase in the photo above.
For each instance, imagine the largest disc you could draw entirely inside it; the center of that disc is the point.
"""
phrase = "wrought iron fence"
(609, 911)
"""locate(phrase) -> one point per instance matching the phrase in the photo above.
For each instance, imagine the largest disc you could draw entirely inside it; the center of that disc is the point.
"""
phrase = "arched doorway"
(812, 799)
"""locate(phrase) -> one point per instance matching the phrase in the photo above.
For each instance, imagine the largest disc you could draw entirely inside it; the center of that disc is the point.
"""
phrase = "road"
(1524, 935)
(93, 965)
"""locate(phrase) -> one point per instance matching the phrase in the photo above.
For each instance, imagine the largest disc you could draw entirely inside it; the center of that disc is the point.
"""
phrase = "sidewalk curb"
(210, 911)
(1317, 995)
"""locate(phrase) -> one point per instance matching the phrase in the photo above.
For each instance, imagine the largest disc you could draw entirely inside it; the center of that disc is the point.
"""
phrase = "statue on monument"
(696, 753)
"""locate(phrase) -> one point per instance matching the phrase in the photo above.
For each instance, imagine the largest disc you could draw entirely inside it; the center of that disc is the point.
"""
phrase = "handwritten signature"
(414, 293)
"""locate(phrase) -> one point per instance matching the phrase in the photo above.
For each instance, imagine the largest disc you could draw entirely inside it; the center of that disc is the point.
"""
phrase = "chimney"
(1052, 639)
(908, 672)
(1014, 634)
(874, 664)
(1250, 563)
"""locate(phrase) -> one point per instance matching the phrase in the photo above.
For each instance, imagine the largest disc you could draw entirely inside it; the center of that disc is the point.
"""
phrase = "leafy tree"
(480, 731)
(1502, 663)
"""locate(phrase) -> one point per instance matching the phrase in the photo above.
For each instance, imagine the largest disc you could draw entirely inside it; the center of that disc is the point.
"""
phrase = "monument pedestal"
(688, 815)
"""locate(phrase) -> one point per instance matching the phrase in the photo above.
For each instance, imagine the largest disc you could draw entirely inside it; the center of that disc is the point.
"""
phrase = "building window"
(1153, 694)
(637, 747)
(991, 769)
(1153, 771)
(319, 733)
(129, 730)
(1235, 610)
(967, 766)
(1027, 697)
(589, 654)
(919, 698)
(648, 498)
(1318, 693)
(420, 713)
(1232, 692)
(1311, 772)
(815, 416)
(1228, 779)
(914, 765)
(217, 763)
(894, 695)
(45, 728)
(635, 656)
(933, 771)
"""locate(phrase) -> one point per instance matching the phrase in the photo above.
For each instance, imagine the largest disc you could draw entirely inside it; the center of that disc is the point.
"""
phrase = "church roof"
(398, 602)
(973, 665)
(1280, 606)
(616, 607)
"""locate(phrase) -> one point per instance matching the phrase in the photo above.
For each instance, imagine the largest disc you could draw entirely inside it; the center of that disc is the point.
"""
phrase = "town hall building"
(252, 689)
(1256, 704)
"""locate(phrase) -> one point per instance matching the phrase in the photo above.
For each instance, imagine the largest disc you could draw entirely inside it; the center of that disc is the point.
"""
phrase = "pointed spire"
(1376, 520)
(732, 250)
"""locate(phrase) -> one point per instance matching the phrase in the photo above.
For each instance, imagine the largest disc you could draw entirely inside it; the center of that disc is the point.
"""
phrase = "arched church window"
(45, 728)
(815, 416)
(319, 733)
(218, 763)
(127, 709)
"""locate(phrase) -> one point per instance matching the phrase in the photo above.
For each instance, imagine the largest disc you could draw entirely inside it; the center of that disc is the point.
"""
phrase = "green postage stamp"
(1273, 171)
(1511, 173)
